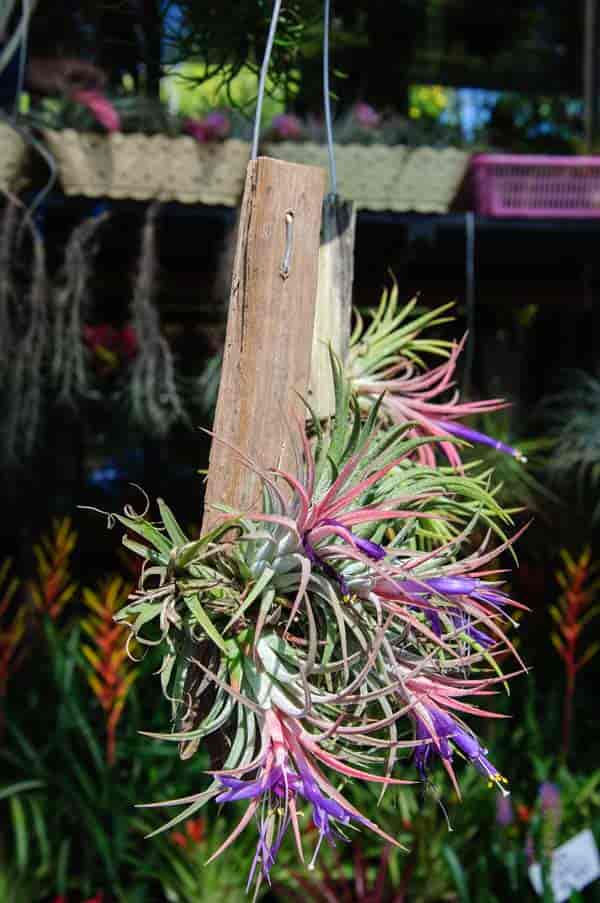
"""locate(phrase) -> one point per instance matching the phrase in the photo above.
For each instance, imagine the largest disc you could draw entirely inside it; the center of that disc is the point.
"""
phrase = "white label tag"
(574, 865)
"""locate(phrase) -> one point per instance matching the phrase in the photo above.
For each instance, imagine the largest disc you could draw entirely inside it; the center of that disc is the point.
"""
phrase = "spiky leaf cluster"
(338, 626)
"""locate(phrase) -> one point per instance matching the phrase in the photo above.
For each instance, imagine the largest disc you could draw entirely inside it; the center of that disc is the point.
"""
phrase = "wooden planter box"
(144, 167)
(13, 154)
(382, 177)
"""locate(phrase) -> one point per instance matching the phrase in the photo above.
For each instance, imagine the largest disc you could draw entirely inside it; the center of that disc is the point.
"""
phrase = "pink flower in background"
(366, 115)
(195, 128)
(287, 125)
(100, 106)
(209, 128)
(217, 124)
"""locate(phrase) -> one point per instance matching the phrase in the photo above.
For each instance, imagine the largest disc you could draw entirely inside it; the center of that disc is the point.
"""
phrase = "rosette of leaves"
(337, 627)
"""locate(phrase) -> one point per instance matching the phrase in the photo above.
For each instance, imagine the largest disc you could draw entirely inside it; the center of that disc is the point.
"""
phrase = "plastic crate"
(543, 187)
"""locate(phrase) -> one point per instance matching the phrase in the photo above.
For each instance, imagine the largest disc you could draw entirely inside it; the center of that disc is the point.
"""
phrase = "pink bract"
(101, 107)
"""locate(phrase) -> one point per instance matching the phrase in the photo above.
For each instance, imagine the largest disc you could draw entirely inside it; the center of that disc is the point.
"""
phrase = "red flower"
(194, 834)
(111, 345)
(523, 813)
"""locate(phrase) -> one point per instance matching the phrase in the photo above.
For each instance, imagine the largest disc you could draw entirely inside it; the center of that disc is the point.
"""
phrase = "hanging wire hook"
(263, 78)
(327, 99)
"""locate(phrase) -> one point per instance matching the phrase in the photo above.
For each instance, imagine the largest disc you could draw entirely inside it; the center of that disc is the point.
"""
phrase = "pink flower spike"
(100, 106)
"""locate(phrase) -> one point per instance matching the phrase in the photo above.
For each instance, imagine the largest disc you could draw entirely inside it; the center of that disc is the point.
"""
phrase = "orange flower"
(523, 813)
(53, 586)
(111, 674)
(195, 829)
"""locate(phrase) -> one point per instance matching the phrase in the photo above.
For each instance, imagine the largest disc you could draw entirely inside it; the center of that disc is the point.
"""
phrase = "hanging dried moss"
(154, 398)
(24, 379)
(71, 298)
(8, 290)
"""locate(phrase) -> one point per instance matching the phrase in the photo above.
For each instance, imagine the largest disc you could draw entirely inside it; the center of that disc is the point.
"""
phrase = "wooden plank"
(269, 329)
(334, 299)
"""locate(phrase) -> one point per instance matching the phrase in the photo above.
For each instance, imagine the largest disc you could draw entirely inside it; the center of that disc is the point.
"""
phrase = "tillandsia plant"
(348, 623)
(71, 302)
(153, 396)
(23, 385)
(386, 357)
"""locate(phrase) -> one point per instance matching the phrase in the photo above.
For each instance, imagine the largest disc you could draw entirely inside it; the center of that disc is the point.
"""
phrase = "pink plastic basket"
(536, 186)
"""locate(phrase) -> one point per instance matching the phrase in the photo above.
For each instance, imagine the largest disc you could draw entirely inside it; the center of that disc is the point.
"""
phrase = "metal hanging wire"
(262, 81)
(263, 78)
(469, 298)
(327, 99)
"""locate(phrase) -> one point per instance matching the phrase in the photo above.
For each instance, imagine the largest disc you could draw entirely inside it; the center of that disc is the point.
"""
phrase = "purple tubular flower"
(453, 586)
(371, 549)
(504, 811)
(465, 432)
(284, 783)
(463, 624)
(437, 741)
(475, 589)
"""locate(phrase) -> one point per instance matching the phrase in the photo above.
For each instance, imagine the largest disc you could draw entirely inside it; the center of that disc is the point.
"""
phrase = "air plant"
(574, 610)
(8, 289)
(153, 396)
(53, 586)
(385, 358)
(71, 303)
(111, 673)
(345, 625)
(23, 383)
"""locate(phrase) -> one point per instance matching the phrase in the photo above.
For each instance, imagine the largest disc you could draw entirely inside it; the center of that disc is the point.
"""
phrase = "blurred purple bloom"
(210, 128)
(217, 124)
(549, 797)
(504, 811)
(366, 115)
(287, 126)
